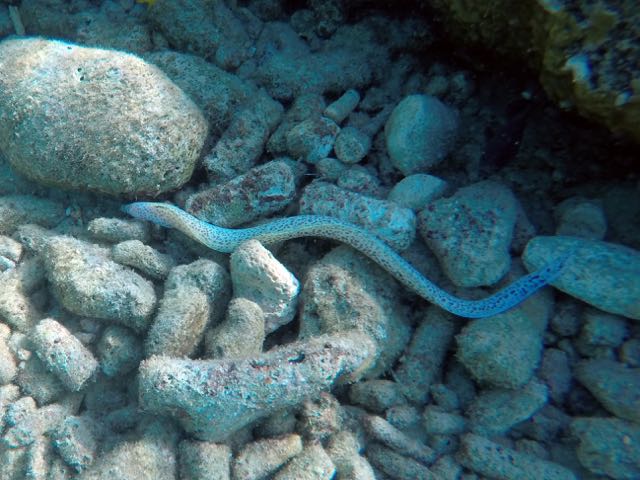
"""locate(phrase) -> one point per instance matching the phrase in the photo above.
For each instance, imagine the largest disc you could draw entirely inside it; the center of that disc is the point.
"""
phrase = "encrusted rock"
(259, 192)
(64, 354)
(214, 398)
(608, 446)
(420, 132)
(66, 91)
(602, 274)
(346, 291)
(88, 283)
(504, 350)
(471, 231)
(258, 276)
(241, 334)
(393, 224)
(179, 325)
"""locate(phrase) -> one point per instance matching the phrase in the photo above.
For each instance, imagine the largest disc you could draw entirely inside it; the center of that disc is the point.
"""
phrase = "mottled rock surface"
(67, 91)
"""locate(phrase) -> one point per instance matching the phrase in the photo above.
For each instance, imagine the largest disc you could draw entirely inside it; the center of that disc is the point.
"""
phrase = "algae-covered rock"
(420, 132)
(56, 99)
(345, 291)
(393, 224)
(212, 399)
(87, 282)
(605, 275)
(608, 446)
(615, 386)
(585, 53)
(63, 354)
(209, 29)
(471, 231)
(151, 454)
(504, 350)
(258, 276)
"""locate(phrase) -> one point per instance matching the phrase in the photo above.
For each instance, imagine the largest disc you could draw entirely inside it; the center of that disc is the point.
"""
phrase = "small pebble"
(437, 421)
(504, 350)
(555, 372)
(493, 460)
(344, 450)
(6, 264)
(87, 282)
(382, 431)
(204, 461)
(415, 373)
(330, 169)
(312, 139)
(34, 379)
(446, 468)
(16, 307)
(445, 397)
(8, 365)
(312, 463)
(116, 230)
(16, 210)
(119, 351)
(261, 191)
(39, 456)
(305, 106)
(579, 217)
(376, 395)
(240, 335)
(593, 273)
(241, 144)
(320, 418)
(76, 440)
(351, 145)
(602, 329)
(179, 324)
(343, 106)
(143, 258)
(420, 132)
(259, 277)
(630, 352)
(396, 465)
(417, 191)
(614, 385)
(263, 457)
(360, 180)
(608, 446)
(10, 249)
(208, 276)
(495, 411)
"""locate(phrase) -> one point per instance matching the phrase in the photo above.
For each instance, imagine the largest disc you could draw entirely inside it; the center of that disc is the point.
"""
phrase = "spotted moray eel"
(226, 240)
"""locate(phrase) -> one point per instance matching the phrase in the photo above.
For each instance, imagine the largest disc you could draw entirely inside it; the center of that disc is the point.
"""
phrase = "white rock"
(258, 276)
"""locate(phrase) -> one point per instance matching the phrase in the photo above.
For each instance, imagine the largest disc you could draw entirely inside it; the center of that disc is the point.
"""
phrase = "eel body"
(226, 240)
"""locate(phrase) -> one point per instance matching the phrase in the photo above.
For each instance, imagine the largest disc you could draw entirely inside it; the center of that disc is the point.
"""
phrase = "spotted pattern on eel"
(226, 240)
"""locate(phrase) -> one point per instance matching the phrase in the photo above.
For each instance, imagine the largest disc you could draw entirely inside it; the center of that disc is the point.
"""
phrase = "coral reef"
(584, 52)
